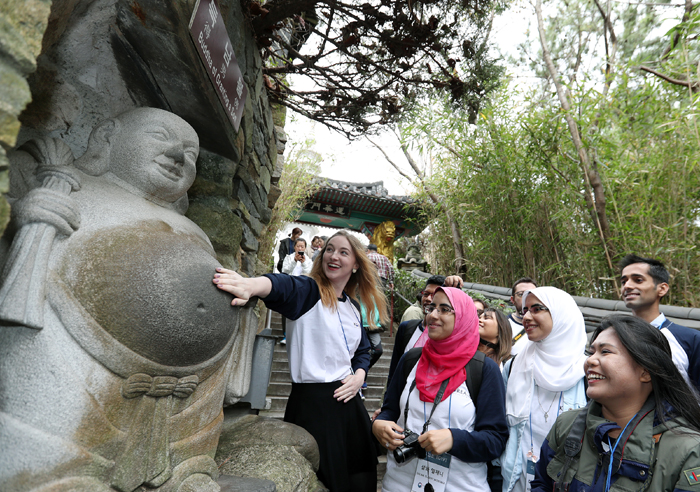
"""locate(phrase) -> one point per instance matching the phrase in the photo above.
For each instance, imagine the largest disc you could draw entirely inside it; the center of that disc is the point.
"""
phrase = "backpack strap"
(510, 367)
(475, 372)
(410, 359)
(572, 447)
(474, 368)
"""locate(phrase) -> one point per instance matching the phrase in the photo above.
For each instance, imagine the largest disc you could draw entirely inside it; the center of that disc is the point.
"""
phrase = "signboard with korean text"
(214, 46)
(327, 208)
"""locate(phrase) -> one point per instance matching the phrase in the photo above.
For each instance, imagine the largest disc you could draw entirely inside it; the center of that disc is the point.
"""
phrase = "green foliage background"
(516, 189)
(297, 185)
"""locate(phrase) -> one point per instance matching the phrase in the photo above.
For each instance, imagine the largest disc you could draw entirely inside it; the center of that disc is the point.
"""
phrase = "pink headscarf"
(446, 358)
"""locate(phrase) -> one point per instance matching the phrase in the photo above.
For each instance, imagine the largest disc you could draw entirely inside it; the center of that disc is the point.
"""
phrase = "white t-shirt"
(414, 338)
(458, 412)
(321, 344)
(542, 401)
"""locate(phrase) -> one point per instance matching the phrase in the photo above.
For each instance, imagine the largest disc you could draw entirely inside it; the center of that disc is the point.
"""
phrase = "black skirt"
(343, 432)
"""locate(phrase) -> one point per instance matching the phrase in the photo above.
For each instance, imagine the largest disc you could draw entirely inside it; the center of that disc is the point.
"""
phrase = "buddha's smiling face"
(156, 154)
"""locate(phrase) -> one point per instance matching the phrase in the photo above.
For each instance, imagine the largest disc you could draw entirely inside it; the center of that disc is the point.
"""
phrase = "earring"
(354, 270)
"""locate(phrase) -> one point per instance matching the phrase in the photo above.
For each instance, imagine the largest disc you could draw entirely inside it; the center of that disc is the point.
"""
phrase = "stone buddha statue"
(116, 350)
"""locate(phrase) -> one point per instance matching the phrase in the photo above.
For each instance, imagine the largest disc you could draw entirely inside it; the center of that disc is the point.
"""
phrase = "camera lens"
(404, 454)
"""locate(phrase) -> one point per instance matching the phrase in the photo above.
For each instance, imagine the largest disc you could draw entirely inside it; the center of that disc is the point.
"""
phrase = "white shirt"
(316, 343)
(290, 265)
(679, 356)
(542, 401)
(414, 338)
(457, 412)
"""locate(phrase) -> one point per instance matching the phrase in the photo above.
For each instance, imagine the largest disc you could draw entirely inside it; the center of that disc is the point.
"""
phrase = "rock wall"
(100, 58)
(22, 26)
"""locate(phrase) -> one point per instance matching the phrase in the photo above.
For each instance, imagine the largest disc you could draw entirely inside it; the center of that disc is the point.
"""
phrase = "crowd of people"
(479, 399)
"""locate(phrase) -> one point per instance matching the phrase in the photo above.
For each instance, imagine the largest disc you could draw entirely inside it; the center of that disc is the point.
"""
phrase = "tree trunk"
(456, 235)
(595, 192)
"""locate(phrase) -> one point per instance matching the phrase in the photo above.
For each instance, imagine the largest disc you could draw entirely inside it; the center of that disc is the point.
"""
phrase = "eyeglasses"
(441, 309)
(535, 309)
(426, 293)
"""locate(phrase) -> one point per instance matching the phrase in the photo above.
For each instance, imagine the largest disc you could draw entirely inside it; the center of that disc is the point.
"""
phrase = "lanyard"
(612, 453)
(352, 308)
(449, 413)
(437, 400)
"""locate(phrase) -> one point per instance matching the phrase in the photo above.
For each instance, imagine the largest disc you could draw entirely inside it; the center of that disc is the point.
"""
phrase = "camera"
(410, 448)
(301, 253)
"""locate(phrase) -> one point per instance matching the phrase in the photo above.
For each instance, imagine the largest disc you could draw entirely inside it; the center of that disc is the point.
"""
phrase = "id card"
(530, 464)
(435, 466)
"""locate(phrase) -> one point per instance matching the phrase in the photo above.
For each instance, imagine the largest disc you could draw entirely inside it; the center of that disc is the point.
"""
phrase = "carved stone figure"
(116, 350)
(414, 259)
(383, 237)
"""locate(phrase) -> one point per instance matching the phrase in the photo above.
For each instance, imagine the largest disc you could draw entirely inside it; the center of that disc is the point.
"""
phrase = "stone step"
(280, 365)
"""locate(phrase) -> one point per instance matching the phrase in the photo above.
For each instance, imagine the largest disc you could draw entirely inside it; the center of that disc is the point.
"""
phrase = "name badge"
(531, 462)
(436, 467)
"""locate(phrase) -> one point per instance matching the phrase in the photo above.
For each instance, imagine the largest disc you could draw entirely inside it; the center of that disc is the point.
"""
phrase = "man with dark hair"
(644, 283)
(519, 288)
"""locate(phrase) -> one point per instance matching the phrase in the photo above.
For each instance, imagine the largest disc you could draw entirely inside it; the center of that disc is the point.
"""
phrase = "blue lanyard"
(352, 308)
(612, 453)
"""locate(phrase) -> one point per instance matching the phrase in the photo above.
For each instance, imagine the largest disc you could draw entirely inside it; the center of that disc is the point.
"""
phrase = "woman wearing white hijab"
(545, 379)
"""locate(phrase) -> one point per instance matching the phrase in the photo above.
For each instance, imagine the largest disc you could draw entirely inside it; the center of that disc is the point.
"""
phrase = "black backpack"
(474, 368)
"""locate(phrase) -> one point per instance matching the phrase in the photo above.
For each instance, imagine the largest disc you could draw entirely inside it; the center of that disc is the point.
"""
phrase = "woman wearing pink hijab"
(453, 434)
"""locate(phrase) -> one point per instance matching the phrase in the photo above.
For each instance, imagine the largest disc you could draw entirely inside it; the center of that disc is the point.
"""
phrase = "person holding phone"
(297, 263)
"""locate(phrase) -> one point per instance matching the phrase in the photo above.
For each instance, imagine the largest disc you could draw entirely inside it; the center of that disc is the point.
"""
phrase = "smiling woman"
(328, 352)
(643, 410)
(464, 430)
(543, 380)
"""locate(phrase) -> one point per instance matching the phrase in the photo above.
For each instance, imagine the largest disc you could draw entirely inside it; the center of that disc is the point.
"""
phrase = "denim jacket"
(512, 458)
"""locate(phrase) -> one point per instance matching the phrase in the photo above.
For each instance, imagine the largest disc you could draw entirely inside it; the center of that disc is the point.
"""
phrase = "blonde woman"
(328, 352)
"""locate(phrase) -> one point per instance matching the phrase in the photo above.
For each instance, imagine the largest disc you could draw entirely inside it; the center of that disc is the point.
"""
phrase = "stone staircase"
(281, 382)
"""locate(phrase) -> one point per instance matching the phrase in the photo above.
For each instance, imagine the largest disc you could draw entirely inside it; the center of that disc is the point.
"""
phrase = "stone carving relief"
(116, 350)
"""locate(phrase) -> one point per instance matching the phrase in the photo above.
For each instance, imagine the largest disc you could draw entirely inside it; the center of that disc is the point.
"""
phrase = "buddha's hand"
(47, 206)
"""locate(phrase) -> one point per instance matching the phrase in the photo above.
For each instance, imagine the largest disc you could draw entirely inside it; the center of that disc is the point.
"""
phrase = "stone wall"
(22, 26)
(99, 58)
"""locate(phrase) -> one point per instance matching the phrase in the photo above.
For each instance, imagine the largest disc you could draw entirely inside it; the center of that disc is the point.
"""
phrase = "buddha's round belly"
(152, 290)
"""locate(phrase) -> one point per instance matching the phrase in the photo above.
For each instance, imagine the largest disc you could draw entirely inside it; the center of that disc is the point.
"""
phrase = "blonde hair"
(362, 286)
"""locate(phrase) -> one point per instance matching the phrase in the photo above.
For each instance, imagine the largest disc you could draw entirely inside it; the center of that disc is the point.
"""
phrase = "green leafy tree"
(354, 65)
(297, 185)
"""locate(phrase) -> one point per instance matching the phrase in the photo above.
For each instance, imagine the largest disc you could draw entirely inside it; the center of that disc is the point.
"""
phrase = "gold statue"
(383, 237)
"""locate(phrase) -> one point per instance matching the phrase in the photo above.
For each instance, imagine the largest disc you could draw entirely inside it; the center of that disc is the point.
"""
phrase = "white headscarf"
(555, 363)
